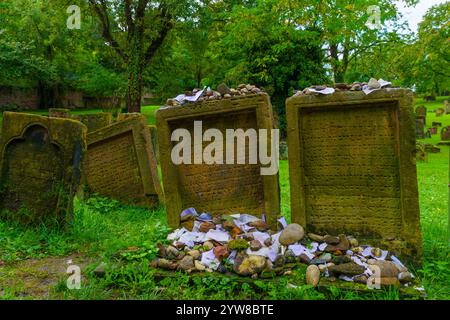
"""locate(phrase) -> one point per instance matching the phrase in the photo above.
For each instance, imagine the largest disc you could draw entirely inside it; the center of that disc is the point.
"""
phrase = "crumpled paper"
(182, 98)
(325, 91)
(382, 83)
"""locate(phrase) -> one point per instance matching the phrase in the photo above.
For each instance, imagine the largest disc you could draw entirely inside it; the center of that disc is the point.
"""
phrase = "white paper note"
(219, 236)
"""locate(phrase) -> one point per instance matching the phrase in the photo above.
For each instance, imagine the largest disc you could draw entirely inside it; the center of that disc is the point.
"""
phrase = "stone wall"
(24, 98)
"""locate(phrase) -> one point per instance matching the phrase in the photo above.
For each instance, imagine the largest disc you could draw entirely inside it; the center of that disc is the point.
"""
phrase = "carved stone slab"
(352, 167)
(218, 188)
(121, 163)
(40, 162)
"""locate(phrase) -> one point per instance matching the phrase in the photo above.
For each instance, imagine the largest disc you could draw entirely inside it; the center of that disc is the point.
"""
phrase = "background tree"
(136, 29)
(432, 51)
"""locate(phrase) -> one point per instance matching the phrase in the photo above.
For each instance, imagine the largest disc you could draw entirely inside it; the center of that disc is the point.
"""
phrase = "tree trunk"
(134, 90)
(335, 63)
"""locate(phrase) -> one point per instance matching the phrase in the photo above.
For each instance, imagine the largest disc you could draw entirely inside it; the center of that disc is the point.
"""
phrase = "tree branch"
(167, 25)
(129, 18)
(102, 13)
(140, 14)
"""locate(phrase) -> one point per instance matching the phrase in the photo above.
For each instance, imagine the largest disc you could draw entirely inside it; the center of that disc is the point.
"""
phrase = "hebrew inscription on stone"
(217, 188)
(121, 164)
(352, 167)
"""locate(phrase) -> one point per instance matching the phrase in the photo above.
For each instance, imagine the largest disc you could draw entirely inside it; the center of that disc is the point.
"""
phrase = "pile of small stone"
(370, 86)
(222, 92)
(245, 245)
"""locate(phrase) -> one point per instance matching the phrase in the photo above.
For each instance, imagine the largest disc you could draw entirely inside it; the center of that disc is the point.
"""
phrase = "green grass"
(103, 230)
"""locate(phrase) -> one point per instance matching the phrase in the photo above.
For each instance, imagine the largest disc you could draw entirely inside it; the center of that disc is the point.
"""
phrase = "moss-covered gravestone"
(58, 113)
(421, 112)
(217, 187)
(121, 163)
(420, 127)
(154, 134)
(40, 162)
(353, 168)
(95, 121)
(439, 112)
(445, 134)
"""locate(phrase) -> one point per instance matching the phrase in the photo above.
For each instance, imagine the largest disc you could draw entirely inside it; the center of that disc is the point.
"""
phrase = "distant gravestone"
(445, 134)
(421, 154)
(421, 111)
(431, 148)
(121, 163)
(420, 127)
(439, 112)
(433, 130)
(40, 161)
(352, 167)
(95, 121)
(58, 113)
(152, 128)
(447, 106)
(218, 188)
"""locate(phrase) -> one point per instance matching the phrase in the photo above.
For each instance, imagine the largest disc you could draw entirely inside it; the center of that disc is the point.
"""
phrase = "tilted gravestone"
(445, 133)
(421, 154)
(431, 148)
(40, 162)
(121, 163)
(154, 134)
(95, 121)
(218, 188)
(152, 128)
(352, 167)
(421, 111)
(420, 127)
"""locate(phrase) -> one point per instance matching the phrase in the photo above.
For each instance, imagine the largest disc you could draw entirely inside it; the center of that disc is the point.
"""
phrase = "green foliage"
(414, 61)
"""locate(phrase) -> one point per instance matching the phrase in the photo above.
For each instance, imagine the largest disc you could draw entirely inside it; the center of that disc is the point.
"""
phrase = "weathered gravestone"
(420, 127)
(439, 112)
(431, 148)
(352, 167)
(95, 121)
(152, 128)
(447, 106)
(154, 134)
(421, 154)
(433, 130)
(421, 111)
(445, 133)
(218, 188)
(121, 163)
(40, 162)
(58, 113)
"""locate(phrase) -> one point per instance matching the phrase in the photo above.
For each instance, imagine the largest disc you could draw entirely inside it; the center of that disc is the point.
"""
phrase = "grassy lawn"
(104, 230)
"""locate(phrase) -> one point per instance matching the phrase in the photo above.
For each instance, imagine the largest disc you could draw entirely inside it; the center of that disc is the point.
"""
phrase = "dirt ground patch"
(36, 278)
